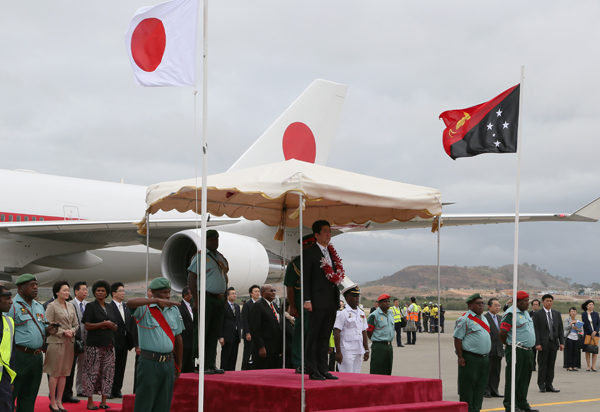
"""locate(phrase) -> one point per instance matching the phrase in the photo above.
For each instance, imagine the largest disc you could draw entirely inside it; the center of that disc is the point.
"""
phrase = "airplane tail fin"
(590, 212)
(303, 132)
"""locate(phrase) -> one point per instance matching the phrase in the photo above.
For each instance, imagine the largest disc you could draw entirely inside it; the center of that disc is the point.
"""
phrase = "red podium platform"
(280, 390)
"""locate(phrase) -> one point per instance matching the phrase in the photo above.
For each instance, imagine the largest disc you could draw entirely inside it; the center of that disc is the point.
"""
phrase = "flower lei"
(334, 277)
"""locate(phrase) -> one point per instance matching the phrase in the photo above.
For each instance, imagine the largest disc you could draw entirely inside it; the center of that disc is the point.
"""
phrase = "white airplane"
(77, 229)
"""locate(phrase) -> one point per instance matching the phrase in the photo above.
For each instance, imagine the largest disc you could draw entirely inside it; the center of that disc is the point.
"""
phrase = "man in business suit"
(254, 292)
(265, 324)
(231, 333)
(124, 336)
(549, 337)
(321, 299)
(497, 352)
(535, 306)
(81, 293)
(188, 361)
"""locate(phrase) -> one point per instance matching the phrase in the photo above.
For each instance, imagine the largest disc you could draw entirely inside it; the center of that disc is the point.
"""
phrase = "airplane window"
(33, 219)
(18, 218)
(10, 218)
(27, 218)
(2, 218)
(41, 219)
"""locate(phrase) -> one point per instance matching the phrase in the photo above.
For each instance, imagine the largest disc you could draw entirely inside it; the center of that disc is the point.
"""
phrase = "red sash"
(480, 322)
(160, 318)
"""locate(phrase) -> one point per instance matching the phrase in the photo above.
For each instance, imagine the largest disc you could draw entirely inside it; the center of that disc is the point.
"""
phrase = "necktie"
(121, 311)
(275, 312)
(81, 308)
(496, 321)
(550, 326)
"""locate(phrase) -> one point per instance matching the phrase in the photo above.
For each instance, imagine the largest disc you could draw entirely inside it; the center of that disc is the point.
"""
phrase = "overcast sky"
(69, 107)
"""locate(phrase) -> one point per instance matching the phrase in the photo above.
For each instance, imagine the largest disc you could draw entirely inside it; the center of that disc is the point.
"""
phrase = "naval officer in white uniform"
(350, 333)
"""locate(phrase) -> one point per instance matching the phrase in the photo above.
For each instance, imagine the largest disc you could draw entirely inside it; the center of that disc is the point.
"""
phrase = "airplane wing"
(587, 213)
(101, 234)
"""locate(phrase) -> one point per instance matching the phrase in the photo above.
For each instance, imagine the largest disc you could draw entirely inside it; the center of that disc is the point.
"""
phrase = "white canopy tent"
(272, 194)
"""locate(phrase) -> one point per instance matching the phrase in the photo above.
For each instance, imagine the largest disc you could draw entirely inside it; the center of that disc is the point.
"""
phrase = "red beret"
(522, 295)
(383, 296)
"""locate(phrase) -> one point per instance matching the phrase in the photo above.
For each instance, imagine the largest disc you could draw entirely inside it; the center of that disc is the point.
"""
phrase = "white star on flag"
(497, 143)
(489, 126)
(505, 125)
(499, 113)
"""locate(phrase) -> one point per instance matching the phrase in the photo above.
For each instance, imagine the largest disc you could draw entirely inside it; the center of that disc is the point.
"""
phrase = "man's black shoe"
(209, 371)
(526, 410)
(110, 396)
(117, 395)
(299, 370)
(543, 390)
(70, 399)
(552, 389)
(81, 395)
(497, 395)
(316, 377)
(217, 370)
(330, 376)
(401, 346)
(487, 395)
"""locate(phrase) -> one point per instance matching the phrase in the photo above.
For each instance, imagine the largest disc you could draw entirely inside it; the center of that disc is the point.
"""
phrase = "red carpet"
(42, 402)
(278, 390)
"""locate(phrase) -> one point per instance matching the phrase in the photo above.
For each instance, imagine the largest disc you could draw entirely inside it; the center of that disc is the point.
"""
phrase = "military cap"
(308, 238)
(383, 296)
(473, 297)
(25, 278)
(522, 295)
(159, 284)
(352, 289)
(212, 233)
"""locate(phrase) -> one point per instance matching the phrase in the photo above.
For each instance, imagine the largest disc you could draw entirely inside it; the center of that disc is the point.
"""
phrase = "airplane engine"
(248, 259)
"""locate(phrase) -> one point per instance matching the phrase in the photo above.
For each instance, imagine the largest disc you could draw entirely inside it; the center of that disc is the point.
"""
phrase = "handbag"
(402, 322)
(591, 349)
(591, 341)
(79, 346)
(411, 326)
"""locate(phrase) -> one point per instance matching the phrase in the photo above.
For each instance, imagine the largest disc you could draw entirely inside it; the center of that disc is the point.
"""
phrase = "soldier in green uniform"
(380, 330)
(472, 343)
(30, 330)
(292, 283)
(159, 338)
(216, 285)
(525, 341)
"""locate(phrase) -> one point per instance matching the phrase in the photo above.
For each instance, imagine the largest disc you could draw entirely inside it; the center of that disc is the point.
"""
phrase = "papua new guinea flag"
(489, 127)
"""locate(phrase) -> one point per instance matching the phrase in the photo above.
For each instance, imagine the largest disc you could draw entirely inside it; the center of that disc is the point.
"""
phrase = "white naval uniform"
(351, 323)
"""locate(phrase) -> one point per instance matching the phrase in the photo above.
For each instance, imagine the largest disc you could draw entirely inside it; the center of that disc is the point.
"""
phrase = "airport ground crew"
(525, 341)
(7, 374)
(350, 333)
(419, 321)
(380, 330)
(30, 331)
(426, 317)
(397, 312)
(473, 343)
(434, 318)
(412, 313)
(159, 339)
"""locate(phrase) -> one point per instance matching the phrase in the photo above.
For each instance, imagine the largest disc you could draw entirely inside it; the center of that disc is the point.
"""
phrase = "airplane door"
(71, 212)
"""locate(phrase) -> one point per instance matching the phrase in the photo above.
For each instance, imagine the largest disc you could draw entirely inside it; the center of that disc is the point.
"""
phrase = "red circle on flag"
(148, 43)
(299, 143)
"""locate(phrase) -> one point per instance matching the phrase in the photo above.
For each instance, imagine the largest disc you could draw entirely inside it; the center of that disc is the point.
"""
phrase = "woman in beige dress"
(60, 353)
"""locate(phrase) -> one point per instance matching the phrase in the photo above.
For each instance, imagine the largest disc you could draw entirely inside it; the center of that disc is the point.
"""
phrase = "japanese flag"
(161, 42)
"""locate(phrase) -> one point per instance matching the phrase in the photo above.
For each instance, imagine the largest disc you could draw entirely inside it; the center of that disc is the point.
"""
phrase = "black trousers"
(546, 361)
(120, 364)
(494, 375)
(187, 363)
(411, 337)
(398, 333)
(572, 353)
(271, 361)
(6, 401)
(229, 354)
(317, 340)
(246, 361)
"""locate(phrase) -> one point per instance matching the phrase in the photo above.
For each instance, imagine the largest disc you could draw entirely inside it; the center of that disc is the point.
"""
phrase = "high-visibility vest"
(426, 310)
(8, 333)
(413, 315)
(397, 312)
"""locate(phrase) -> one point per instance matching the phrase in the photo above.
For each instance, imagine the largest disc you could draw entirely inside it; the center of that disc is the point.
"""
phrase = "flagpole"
(284, 295)
(302, 393)
(516, 250)
(202, 275)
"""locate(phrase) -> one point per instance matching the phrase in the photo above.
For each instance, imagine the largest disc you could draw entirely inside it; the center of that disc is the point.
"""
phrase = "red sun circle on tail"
(299, 143)
(148, 43)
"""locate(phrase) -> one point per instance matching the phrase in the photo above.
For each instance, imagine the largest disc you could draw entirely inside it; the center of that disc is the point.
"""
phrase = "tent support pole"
(302, 366)
(439, 299)
(147, 249)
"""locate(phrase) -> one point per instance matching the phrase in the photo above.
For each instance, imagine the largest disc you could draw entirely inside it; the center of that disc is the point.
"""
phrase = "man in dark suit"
(321, 299)
(549, 337)
(254, 292)
(497, 352)
(231, 333)
(125, 336)
(265, 324)
(535, 306)
(187, 363)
